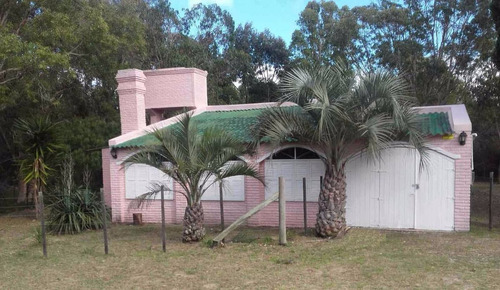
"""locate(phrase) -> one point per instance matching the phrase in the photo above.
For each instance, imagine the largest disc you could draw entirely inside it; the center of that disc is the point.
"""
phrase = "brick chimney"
(131, 90)
(174, 89)
(156, 91)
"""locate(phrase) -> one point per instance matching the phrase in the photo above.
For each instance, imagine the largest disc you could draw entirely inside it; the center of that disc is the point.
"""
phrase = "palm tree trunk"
(330, 220)
(34, 192)
(194, 230)
(22, 189)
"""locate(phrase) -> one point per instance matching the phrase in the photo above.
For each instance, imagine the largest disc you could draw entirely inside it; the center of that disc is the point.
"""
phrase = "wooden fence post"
(282, 211)
(104, 223)
(490, 202)
(163, 240)
(42, 224)
(304, 192)
(221, 206)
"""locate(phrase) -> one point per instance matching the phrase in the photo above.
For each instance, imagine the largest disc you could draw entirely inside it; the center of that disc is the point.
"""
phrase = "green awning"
(434, 124)
(239, 123)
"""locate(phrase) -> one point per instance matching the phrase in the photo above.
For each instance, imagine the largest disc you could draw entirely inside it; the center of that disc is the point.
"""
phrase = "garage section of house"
(394, 192)
(399, 190)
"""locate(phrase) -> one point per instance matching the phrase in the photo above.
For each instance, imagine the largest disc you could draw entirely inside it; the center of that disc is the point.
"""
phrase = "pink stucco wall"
(114, 183)
(117, 187)
(463, 177)
(131, 89)
(123, 208)
(175, 88)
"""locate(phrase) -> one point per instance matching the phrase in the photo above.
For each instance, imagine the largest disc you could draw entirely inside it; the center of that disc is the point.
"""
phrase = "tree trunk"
(22, 189)
(33, 190)
(194, 230)
(37, 204)
(330, 220)
(30, 188)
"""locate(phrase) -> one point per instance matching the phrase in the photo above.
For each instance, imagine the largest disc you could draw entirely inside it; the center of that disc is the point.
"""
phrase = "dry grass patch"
(364, 258)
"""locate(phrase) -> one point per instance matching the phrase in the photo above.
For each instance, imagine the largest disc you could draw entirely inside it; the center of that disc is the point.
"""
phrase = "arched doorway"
(294, 163)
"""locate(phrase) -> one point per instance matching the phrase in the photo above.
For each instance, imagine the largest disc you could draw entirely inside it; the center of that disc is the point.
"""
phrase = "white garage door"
(300, 163)
(392, 193)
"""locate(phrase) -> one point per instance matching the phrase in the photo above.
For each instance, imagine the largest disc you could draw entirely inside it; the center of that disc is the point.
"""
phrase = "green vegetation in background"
(59, 59)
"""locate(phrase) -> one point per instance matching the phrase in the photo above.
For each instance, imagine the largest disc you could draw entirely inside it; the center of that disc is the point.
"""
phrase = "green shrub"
(73, 212)
(207, 242)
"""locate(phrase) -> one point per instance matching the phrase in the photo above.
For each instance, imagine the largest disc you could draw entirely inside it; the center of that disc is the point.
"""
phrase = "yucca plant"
(38, 141)
(74, 212)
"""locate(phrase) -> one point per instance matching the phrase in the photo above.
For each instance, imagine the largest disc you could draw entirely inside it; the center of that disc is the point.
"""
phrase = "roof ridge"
(236, 110)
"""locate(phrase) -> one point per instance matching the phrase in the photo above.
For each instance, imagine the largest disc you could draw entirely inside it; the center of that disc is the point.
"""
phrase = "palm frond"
(280, 125)
(370, 109)
(153, 193)
(377, 134)
(191, 157)
(239, 168)
(39, 142)
(411, 132)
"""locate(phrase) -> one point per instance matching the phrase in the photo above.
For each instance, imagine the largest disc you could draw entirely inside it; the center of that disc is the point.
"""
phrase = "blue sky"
(279, 16)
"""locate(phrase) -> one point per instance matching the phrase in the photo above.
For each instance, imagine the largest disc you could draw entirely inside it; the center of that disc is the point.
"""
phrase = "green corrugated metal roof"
(239, 123)
(434, 124)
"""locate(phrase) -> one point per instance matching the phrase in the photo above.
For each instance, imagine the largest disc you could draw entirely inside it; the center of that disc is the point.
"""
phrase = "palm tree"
(339, 115)
(38, 140)
(195, 160)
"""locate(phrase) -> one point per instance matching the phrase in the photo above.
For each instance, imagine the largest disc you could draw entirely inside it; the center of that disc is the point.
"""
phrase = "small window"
(288, 153)
(302, 153)
(294, 153)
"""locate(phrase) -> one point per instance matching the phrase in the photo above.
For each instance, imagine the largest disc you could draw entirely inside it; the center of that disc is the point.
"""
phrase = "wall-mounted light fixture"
(113, 152)
(462, 137)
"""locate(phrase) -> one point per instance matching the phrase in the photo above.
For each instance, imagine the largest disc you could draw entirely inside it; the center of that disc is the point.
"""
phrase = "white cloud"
(206, 2)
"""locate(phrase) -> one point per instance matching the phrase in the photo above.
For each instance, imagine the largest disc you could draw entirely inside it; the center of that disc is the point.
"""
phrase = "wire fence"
(27, 209)
(9, 208)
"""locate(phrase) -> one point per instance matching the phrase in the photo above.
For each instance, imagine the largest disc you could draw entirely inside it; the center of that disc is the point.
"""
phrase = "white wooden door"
(435, 196)
(396, 190)
(293, 170)
(363, 182)
(390, 192)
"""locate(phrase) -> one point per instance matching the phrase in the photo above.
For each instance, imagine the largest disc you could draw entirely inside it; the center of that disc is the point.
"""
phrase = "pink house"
(390, 193)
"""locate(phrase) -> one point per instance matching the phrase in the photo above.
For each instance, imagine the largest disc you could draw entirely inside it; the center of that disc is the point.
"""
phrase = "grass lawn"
(364, 258)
